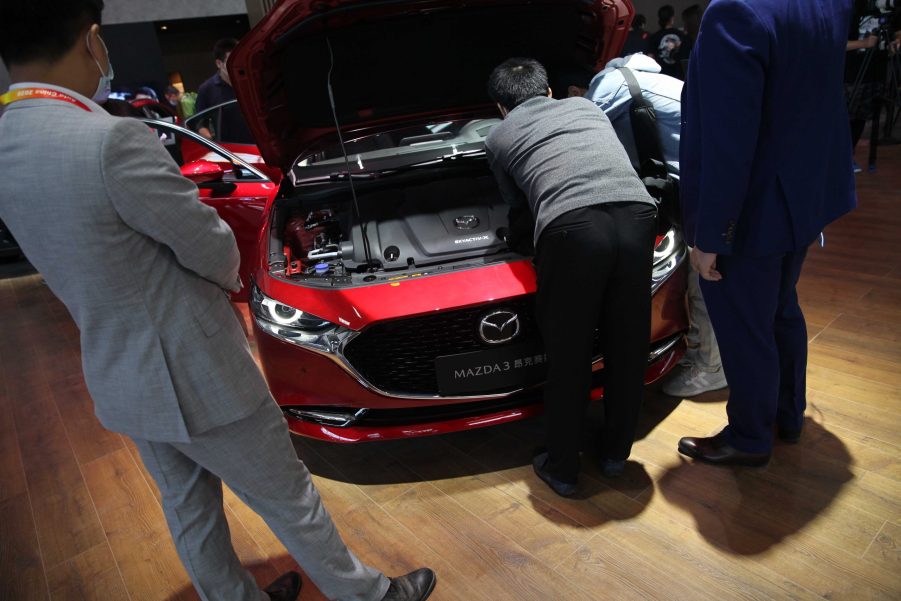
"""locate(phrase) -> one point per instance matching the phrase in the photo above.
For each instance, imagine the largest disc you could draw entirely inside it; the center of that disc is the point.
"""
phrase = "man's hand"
(705, 264)
(864, 44)
(205, 132)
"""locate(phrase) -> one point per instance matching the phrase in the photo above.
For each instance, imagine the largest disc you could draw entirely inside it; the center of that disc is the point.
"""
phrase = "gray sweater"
(560, 155)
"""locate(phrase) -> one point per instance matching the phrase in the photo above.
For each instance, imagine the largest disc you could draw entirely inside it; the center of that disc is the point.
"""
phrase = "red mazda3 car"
(385, 301)
(236, 185)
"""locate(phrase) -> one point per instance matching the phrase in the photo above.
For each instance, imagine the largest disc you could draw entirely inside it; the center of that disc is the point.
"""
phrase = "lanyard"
(45, 93)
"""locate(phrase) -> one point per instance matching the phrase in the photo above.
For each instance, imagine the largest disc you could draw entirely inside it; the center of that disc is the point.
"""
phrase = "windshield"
(388, 151)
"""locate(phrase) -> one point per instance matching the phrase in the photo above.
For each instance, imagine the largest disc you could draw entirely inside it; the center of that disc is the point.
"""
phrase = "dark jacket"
(228, 123)
(669, 47)
(766, 147)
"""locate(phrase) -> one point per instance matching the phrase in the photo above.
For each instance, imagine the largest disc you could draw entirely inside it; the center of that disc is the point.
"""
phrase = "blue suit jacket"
(766, 148)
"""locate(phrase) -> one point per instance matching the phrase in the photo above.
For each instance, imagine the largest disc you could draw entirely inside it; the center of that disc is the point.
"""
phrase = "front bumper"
(325, 397)
(343, 410)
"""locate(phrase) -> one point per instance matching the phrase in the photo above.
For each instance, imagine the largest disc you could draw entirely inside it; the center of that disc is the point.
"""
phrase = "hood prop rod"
(370, 266)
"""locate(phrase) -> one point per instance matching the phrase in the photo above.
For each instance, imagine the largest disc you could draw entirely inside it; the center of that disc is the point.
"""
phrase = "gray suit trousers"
(255, 457)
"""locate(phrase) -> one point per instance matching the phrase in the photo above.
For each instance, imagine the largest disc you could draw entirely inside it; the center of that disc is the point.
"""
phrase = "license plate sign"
(493, 370)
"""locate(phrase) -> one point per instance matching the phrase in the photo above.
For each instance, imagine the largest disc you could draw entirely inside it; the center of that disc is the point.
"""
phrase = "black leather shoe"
(717, 451)
(788, 436)
(415, 586)
(564, 489)
(285, 588)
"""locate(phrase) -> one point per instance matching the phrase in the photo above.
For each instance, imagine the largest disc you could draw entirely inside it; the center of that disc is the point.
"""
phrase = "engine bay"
(420, 223)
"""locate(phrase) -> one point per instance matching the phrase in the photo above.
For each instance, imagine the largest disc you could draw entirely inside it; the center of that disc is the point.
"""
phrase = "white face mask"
(104, 86)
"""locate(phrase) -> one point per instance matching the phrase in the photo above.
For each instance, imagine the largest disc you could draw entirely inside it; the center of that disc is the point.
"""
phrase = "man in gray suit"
(144, 269)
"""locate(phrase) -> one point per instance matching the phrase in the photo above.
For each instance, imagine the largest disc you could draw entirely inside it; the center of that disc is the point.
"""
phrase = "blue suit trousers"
(762, 338)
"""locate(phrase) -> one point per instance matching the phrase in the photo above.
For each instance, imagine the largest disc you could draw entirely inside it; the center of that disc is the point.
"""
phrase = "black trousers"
(594, 269)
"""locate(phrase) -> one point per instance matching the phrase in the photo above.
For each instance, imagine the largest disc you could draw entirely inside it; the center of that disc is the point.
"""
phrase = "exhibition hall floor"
(80, 519)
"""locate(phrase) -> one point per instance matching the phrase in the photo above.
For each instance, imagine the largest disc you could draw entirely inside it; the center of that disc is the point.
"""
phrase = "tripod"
(891, 97)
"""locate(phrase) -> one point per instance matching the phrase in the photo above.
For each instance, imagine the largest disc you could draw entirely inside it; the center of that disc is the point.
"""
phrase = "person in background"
(172, 97)
(669, 46)
(187, 101)
(560, 161)
(609, 90)
(145, 92)
(766, 165)
(701, 369)
(865, 70)
(691, 21)
(148, 105)
(164, 357)
(227, 125)
(637, 38)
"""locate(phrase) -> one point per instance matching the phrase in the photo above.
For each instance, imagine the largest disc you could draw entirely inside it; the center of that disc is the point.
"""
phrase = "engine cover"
(434, 222)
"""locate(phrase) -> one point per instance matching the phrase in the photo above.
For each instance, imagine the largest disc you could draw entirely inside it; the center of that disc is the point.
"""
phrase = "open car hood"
(391, 60)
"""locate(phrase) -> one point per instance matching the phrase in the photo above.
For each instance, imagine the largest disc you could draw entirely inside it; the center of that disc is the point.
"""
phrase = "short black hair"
(223, 47)
(516, 80)
(43, 30)
(638, 22)
(664, 14)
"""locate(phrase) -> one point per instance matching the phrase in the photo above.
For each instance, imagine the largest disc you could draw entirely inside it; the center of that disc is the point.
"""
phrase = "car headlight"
(284, 315)
(295, 326)
(668, 255)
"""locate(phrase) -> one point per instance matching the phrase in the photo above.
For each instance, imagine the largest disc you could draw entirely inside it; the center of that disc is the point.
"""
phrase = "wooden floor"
(80, 519)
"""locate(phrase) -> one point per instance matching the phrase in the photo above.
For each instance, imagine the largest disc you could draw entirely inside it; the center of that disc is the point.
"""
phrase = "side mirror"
(201, 172)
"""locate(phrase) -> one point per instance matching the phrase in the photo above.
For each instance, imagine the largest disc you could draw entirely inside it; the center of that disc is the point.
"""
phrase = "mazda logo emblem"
(499, 327)
(466, 222)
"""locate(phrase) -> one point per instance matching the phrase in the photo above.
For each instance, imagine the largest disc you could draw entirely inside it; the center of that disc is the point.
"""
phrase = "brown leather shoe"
(415, 586)
(715, 450)
(285, 588)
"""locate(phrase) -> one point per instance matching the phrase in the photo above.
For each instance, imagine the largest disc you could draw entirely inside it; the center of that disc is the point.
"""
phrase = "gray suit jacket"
(102, 211)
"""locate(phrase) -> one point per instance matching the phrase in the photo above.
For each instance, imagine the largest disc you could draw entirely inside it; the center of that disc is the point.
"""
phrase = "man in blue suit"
(765, 166)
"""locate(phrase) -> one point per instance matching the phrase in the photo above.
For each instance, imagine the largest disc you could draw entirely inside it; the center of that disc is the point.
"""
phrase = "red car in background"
(238, 190)
(385, 302)
(154, 109)
(212, 118)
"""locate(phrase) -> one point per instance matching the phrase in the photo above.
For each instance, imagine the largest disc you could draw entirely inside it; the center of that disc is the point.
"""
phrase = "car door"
(237, 190)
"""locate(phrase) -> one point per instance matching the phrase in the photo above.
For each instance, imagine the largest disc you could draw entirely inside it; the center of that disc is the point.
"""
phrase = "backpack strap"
(652, 166)
(634, 86)
(643, 118)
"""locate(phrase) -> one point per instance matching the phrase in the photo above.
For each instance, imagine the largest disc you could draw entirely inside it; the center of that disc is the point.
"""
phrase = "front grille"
(398, 356)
